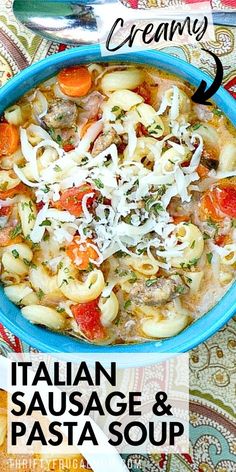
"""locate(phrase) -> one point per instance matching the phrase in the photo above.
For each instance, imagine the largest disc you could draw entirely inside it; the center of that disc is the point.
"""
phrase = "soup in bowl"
(118, 199)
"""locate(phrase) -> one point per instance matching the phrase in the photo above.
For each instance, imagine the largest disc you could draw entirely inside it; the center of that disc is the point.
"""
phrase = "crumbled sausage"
(105, 140)
(160, 292)
(61, 114)
(209, 158)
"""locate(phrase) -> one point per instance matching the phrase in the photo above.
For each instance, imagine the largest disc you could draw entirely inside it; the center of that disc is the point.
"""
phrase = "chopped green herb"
(206, 236)
(55, 137)
(24, 205)
(141, 251)
(46, 223)
(217, 112)
(90, 267)
(46, 189)
(128, 219)
(31, 217)
(118, 111)
(64, 281)
(57, 168)
(196, 126)
(127, 304)
(120, 254)
(60, 310)
(4, 186)
(151, 282)
(59, 139)
(210, 222)
(153, 129)
(209, 257)
(157, 208)
(98, 183)
(15, 253)
(121, 272)
(193, 244)
(29, 263)
(189, 280)
(188, 265)
(180, 289)
(16, 231)
(107, 162)
(133, 277)
(233, 223)
(46, 236)
(40, 294)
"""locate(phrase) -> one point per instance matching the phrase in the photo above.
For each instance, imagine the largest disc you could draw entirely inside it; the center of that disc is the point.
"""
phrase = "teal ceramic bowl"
(10, 315)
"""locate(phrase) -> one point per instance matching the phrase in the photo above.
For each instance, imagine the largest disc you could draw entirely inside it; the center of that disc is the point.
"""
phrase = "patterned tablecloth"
(212, 364)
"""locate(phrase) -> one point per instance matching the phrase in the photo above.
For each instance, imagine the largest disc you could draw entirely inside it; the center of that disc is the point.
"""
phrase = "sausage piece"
(104, 141)
(162, 291)
(61, 114)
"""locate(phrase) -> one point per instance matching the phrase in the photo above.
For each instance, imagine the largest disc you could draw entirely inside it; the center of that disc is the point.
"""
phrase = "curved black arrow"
(202, 94)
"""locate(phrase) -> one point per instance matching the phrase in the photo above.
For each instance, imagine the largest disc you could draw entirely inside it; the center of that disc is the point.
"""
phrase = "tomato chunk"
(68, 147)
(81, 253)
(221, 239)
(5, 211)
(71, 199)
(219, 201)
(226, 200)
(88, 318)
(144, 91)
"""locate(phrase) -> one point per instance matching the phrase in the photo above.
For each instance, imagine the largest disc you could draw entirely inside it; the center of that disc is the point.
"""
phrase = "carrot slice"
(81, 253)
(180, 219)
(9, 139)
(202, 171)
(75, 81)
(20, 188)
(209, 208)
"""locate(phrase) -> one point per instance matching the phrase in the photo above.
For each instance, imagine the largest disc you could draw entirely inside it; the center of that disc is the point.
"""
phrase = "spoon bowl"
(75, 22)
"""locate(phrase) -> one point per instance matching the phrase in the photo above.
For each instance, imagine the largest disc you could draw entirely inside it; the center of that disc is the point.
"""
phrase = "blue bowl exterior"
(47, 341)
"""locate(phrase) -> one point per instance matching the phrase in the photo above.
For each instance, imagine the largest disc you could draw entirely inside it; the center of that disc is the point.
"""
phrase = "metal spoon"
(71, 22)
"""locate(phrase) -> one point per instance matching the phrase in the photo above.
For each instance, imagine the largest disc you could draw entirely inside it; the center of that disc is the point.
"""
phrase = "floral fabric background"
(212, 364)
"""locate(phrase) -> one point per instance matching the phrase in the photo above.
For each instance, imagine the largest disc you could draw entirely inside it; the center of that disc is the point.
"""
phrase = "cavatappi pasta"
(34, 462)
(117, 204)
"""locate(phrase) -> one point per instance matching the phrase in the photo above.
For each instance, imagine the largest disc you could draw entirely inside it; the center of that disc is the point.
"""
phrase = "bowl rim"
(199, 330)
